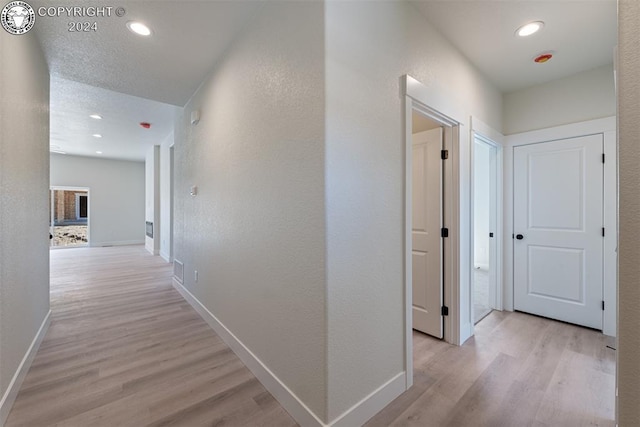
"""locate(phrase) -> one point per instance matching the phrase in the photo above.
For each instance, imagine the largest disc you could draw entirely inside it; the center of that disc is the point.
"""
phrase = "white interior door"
(558, 219)
(427, 220)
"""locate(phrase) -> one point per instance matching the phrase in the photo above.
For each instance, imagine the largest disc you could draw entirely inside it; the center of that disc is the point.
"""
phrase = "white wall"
(166, 178)
(482, 203)
(315, 291)
(24, 205)
(584, 96)
(628, 349)
(152, 198)
(369, 46)
(255, 231)
(116, 195)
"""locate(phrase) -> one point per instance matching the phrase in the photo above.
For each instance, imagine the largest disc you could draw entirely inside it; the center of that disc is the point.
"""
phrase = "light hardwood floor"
(518, 370)
(124, 349)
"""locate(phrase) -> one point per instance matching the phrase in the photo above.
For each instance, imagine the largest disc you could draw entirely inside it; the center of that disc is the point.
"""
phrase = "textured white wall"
(256, 230)
(152, 198)
(628, 372)
(584, 96)
(24, 201)
(166, 176)
(369, 46)
(116, 197)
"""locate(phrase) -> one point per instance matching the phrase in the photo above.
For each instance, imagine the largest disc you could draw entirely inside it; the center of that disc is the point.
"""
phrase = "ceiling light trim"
(529, 29)
(139, 28)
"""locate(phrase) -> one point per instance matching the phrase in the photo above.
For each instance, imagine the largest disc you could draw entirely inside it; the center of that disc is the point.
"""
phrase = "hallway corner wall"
(628, 348)
(152, 198)
(24, 208)
(166, 187)
(370, 46)
(255, 230)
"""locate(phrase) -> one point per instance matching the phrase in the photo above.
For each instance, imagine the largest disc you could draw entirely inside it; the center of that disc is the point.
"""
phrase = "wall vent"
(178, 270)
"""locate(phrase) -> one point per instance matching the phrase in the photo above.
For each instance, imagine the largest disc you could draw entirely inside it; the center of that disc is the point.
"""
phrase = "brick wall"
(65, 205)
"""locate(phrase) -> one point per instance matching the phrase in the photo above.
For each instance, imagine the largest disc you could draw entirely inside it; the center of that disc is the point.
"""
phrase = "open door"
(426, 235)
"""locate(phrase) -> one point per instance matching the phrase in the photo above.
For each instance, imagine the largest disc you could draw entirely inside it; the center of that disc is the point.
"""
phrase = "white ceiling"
(190, 36)
(122, 136)
(581, 32)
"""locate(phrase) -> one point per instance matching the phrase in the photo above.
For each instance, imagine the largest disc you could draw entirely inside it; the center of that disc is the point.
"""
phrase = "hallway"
(124, 349)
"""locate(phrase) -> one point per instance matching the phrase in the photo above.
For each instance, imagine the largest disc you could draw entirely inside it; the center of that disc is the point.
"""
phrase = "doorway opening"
(486, 227)
(68, 217)
(444, 299)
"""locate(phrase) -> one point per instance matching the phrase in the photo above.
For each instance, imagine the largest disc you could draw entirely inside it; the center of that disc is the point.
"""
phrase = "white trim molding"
(606, 127)
(14, 386)
(118, 243)
(442, 108)
(495, 139)
(356, 415)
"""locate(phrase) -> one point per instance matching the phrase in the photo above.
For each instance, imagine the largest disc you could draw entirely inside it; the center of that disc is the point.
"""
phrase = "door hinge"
(490, 234)
(602, 231)
(444, 154)
(444, 310)
(444, 232)
(602, 157)
(603, 305)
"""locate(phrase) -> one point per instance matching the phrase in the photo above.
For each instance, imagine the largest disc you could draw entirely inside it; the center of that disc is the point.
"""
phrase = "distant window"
(82, 206)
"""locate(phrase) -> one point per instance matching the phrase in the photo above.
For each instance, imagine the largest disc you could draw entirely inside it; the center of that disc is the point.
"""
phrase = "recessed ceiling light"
(139, 28)
(530, 28)
(98, 152)
(97, 135)
(96, 116)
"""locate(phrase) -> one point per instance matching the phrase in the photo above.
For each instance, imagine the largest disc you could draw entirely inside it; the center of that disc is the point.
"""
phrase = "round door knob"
(519, 236)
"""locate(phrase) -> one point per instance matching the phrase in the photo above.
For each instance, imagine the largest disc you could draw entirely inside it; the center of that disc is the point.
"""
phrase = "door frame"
(78, 196)
(494, 139)
(434, 104)
(607, 127)
(53, 188)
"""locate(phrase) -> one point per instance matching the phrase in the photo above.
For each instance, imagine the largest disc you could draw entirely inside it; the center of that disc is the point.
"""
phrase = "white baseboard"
(354, 416)
(466, 331)
(360, 413)
(14, 386)
(165, 256)
(298, 410)
(117, 243)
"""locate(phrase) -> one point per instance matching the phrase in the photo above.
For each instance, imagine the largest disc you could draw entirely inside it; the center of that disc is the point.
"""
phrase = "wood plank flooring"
(124, 349)
(519, 370)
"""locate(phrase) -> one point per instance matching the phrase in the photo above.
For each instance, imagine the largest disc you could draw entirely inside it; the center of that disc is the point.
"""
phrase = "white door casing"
(558, 220)
(486, 224)
(426, 239)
